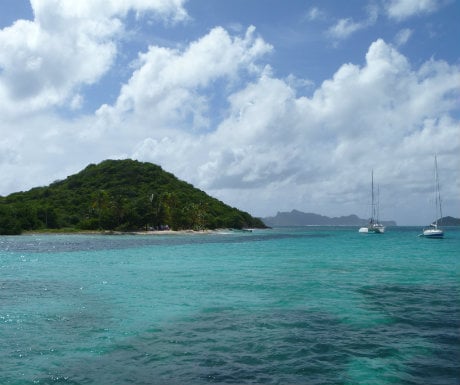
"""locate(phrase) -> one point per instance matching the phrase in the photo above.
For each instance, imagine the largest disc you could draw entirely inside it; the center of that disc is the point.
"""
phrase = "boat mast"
(437, 191)
(372, 198)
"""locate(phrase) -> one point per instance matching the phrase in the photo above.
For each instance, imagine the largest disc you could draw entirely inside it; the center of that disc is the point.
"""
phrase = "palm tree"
(101, 200)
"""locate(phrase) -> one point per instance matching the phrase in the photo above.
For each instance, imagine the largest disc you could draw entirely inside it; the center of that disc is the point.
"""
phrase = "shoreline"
(142, 232)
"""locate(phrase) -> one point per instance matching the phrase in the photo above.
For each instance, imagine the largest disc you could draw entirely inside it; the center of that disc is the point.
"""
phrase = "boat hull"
(433, 233)
(376, 229)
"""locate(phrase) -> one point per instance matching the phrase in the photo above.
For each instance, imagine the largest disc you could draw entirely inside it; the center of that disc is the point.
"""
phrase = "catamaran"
(373, 226)
(433, 231)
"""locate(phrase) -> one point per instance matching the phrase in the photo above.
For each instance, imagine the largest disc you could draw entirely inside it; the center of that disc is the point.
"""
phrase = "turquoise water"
(279, 306)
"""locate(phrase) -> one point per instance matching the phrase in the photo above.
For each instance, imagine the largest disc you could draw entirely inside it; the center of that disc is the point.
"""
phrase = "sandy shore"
(113, 232)
(146, 232)
(172, 232)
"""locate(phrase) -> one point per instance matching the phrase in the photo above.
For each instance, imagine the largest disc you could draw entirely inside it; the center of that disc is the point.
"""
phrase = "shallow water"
(294, 305)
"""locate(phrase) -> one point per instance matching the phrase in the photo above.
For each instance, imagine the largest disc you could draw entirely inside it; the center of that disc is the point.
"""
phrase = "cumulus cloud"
(46, 10)
(44, 62)
(169, 84)
(403, 9)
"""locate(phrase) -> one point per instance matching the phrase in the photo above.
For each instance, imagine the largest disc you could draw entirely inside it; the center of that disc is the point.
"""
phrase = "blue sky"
(267, 105)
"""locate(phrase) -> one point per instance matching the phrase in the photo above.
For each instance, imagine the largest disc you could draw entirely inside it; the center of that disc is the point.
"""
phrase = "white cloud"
(47, 10)
(403, 36)
(168, 84)
(315, 13)
(44, 62)
(344, 28)
(403, 9)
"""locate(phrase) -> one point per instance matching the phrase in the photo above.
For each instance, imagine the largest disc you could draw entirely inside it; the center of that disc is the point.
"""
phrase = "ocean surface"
(311, 305)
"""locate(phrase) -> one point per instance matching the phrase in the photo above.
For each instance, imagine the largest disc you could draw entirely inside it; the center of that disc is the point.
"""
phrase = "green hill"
(119, 195)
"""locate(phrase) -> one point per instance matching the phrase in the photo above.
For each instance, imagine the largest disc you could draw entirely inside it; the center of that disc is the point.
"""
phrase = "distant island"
(118, 195)
(449, 221)
(299, 218)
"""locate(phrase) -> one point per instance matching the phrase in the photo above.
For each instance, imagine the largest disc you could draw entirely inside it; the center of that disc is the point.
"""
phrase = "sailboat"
(433, 231)
(373, 226)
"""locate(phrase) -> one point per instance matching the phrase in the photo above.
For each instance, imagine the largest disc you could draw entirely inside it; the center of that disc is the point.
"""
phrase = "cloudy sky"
(268, 105)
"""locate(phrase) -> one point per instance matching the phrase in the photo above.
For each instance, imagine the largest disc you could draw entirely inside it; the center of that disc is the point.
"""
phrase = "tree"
(48, 216)
(196, 215)
(100, 205)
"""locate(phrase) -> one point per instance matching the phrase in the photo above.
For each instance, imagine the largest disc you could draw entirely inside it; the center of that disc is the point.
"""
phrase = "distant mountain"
(299, 218)
(449, 221)
(119, 195)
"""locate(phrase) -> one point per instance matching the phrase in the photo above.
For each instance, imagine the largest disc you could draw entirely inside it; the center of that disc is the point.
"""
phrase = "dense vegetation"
(121, 195)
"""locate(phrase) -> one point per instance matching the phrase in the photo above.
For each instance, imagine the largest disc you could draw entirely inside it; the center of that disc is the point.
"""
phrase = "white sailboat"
(374, 226)
(433, 231)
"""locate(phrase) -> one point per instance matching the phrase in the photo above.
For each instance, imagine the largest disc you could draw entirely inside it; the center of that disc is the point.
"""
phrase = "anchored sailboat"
(374, 226)
(433, 231)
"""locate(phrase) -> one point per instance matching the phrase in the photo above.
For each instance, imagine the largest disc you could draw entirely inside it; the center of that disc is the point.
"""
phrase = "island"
(119, 195)
(299, 218)
(449, 221)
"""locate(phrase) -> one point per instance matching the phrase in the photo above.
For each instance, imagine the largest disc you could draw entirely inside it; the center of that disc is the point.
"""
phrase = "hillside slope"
(118, 195)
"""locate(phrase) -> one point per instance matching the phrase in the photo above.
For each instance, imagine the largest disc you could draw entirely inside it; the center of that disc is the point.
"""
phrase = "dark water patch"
(241, 346)
(44, 321)
(75, 243)
(20, 290)
(224, 347)
(427, 318)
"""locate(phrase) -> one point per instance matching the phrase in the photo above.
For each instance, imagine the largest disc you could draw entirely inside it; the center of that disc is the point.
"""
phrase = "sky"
(267, 105)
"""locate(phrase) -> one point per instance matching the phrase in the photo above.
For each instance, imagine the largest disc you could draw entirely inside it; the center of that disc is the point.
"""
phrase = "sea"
(303, 305)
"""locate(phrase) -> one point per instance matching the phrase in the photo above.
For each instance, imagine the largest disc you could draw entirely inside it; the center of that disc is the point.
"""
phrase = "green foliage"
(118, 195)
(9, 225)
